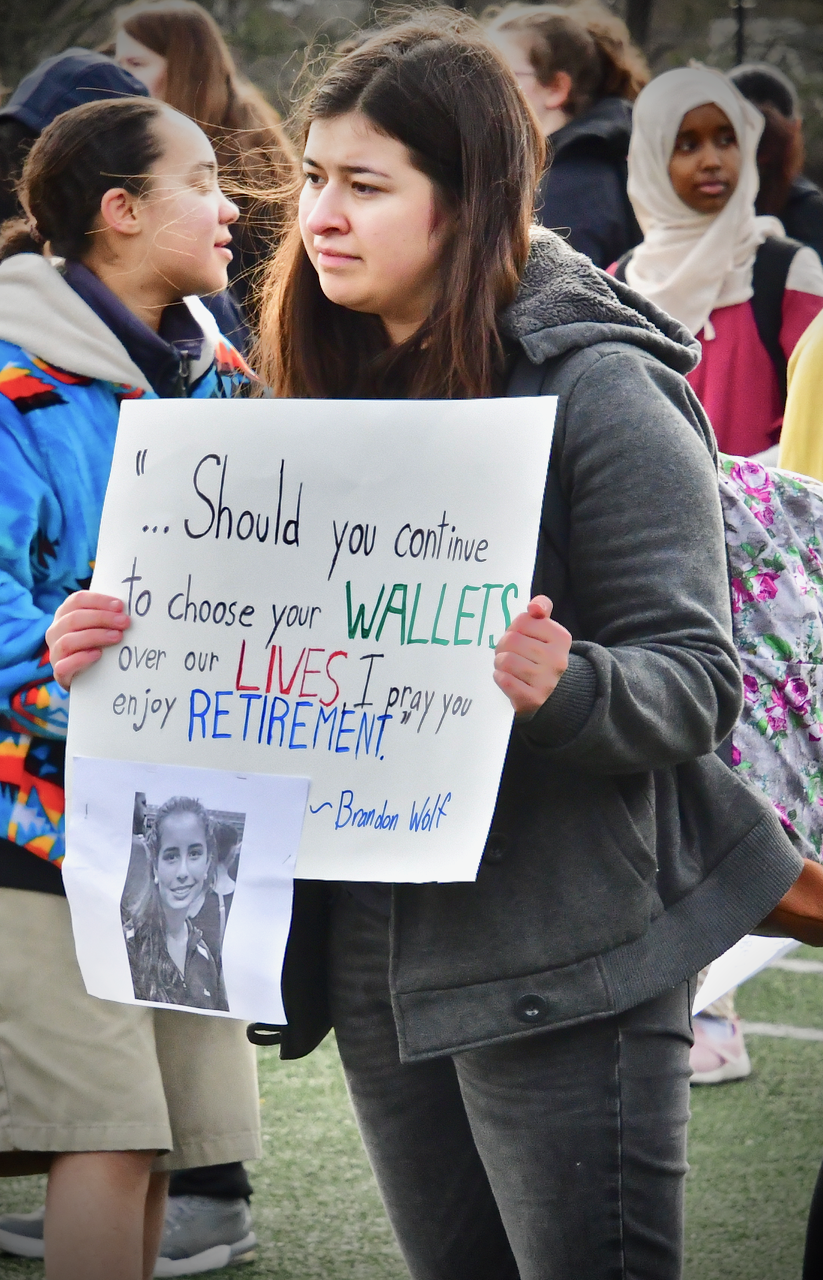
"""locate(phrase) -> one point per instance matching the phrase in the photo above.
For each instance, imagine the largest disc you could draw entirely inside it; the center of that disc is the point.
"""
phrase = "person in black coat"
(785, 191)
(580, 73)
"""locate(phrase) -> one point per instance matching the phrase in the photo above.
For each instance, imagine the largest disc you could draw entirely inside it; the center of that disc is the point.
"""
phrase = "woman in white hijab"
(693, 182)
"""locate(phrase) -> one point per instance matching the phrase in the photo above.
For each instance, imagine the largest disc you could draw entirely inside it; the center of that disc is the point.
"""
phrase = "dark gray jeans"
(561, 1156)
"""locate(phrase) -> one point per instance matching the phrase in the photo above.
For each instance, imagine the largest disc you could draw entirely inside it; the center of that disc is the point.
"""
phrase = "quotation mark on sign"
(140, 462)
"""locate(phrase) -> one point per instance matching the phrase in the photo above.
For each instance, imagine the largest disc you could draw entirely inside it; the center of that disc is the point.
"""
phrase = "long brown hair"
(779, 160)
(253, 151)
(590, 44)
(434, 84)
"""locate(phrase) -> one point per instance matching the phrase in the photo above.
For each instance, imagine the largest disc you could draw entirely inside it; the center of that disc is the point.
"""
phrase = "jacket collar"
(42, 314)
(607, 125)
(163, 357)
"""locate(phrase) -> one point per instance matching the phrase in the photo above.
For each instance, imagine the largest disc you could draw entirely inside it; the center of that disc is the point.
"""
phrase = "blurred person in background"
(55, 86)
(178, 52)
(579, 72)
(728, 275)
(785, 191)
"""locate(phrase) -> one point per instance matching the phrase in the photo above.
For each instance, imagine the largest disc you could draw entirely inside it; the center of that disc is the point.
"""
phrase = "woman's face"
(150, 68)
(370, 223)
(184, 217)
(705, 164)
(182, 859)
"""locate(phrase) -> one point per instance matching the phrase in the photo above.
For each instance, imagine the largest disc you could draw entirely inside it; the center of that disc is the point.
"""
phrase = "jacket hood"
(42, 314)
(67, 81)
(565, 303)
(801, 189)
(606, 125)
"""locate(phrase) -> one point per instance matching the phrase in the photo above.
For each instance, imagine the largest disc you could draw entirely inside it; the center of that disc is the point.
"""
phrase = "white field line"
(781, 1031)
(798, 966)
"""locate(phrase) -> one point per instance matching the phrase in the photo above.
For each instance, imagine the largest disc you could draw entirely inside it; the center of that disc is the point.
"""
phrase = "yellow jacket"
(801, 441)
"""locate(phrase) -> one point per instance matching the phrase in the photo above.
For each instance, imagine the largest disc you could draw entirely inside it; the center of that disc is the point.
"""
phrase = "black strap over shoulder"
(620, 266)
(529, 380)
(771, 271)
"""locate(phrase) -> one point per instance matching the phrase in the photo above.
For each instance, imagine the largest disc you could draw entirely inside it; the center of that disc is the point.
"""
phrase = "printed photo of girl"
(171, 960)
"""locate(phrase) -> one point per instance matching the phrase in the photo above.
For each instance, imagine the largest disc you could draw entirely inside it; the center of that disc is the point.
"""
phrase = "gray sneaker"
(204, 1234)
(22, 1233)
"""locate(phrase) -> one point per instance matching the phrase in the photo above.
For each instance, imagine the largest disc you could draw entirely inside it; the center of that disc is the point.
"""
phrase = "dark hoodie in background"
(584, 190)
(802, 215)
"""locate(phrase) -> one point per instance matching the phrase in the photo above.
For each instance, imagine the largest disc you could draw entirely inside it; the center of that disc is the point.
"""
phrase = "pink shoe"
(719, 1051)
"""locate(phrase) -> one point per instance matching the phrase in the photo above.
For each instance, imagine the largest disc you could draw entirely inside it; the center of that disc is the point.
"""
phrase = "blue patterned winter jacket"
(59, 411)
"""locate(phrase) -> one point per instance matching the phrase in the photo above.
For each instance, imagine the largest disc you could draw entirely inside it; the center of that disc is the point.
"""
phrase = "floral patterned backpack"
(774, 539)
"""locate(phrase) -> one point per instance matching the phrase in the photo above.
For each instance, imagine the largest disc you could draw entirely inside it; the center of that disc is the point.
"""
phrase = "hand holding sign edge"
(84, 625)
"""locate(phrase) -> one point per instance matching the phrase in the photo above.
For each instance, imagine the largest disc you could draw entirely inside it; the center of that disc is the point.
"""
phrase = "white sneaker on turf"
(22, 1233)
(204, 1234)
(719, 1050)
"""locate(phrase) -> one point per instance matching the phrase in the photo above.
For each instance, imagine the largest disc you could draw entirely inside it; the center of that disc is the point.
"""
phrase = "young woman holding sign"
(516, 1049)
(91, 313)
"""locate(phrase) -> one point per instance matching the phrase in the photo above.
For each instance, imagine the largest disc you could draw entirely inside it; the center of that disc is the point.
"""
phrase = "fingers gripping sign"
(531, 657)
(85, 624)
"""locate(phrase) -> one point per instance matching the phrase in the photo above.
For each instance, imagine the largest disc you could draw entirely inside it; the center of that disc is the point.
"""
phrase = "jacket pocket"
(629, 814)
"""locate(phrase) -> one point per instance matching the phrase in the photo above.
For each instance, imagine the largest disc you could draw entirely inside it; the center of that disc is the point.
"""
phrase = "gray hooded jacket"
(623, 854)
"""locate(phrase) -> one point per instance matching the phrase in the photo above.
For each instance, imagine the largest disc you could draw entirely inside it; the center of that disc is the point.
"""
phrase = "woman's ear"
(119, 212)
(556, 94)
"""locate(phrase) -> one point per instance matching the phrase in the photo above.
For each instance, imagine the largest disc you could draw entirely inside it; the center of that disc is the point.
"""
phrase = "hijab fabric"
(690, 262)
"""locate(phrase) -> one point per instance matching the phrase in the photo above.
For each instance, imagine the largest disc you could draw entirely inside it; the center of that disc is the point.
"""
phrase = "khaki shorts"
(81, 1074)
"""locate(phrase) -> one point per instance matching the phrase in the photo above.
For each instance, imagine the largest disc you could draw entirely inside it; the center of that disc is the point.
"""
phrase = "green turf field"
(755, 1148)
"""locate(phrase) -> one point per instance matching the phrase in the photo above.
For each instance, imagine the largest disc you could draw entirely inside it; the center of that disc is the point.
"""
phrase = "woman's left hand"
(531, 657)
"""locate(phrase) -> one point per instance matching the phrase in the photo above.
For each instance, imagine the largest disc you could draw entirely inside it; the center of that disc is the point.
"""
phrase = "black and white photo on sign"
(177, 897)
(180, 884)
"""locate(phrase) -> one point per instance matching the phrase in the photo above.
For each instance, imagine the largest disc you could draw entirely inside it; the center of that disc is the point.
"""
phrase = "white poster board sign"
(741, 962)
(316, 588)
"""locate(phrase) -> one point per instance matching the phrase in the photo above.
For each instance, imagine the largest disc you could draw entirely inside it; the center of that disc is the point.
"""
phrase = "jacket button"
(531, 1009)
(496, 845)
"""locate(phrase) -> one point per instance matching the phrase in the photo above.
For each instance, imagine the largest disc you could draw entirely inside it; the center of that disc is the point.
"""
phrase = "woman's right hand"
(84, 625)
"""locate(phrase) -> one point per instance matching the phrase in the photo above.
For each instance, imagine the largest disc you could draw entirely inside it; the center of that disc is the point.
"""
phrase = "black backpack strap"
(771, 271)
(529, 380)
(619, 272)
